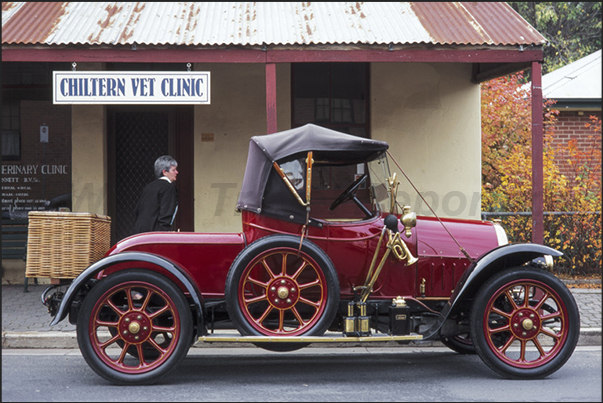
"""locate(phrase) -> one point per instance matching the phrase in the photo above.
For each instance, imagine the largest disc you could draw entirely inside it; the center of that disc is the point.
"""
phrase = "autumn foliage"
(569, 201)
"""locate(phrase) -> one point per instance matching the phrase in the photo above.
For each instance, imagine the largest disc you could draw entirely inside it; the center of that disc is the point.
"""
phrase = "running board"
(305, 339)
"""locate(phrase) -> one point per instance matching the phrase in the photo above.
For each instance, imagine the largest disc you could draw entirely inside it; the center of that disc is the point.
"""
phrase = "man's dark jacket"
(156, 207)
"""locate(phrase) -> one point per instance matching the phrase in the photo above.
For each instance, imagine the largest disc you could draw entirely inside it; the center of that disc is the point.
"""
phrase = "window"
(11, 131)
(333, 95)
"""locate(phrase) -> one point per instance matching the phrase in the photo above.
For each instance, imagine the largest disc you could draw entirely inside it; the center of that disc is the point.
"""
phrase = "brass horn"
(401, 251)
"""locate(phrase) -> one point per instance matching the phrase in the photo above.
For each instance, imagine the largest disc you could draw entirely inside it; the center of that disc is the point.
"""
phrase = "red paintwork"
(350, 245)
(205, 256)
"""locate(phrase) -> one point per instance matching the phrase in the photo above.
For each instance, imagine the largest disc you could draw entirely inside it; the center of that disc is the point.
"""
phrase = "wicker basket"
(61, 245)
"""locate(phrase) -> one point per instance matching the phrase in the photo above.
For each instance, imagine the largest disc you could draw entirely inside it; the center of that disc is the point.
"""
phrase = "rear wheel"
(134, 327)
(525, 323)
(461, 343)
(274, 289)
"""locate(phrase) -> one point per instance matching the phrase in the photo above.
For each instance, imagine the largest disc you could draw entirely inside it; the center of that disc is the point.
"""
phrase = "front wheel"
(134, 327)
(525, 323)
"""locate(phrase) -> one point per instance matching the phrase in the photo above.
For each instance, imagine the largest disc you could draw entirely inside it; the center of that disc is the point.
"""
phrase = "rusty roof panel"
(475, 23)
(252, 24)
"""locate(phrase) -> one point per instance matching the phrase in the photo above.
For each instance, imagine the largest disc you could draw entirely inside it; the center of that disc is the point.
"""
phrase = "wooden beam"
(405, 55)
(127, 55)
(229, 55)
(271, 123)
(537, 156)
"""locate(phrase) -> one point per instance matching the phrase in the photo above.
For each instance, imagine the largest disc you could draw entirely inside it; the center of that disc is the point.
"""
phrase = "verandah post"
(537, 156)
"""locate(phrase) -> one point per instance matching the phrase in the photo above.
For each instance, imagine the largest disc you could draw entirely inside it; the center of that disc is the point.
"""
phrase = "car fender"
(486, 266)
(178, 272)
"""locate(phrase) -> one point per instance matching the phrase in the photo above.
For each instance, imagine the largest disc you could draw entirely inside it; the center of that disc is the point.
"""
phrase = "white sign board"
(131, 87)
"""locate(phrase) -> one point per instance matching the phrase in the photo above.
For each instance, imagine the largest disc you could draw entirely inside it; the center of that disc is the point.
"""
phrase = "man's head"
(166, 166)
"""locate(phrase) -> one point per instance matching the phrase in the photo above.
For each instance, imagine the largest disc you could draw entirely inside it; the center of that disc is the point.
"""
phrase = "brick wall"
(571, 125)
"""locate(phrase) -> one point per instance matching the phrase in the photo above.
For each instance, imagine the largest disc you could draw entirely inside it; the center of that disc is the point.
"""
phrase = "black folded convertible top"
(329, 147)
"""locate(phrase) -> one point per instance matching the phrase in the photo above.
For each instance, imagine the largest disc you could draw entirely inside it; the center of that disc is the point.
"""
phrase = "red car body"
(207, 257)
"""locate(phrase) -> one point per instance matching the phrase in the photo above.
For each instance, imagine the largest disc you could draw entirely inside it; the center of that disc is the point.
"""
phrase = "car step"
(327, 338)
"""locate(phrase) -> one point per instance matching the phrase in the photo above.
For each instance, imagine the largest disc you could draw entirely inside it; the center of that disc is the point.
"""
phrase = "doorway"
(137, 136)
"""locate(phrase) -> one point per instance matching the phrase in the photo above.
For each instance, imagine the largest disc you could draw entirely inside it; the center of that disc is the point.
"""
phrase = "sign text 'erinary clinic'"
(131, 87)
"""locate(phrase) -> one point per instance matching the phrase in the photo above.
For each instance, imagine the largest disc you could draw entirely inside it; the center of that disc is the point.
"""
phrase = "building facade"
(405, 73)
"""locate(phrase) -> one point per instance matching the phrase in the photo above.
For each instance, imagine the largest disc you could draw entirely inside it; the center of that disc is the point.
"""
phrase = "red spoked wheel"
(134, 327)
(273, 289)
(525, 323)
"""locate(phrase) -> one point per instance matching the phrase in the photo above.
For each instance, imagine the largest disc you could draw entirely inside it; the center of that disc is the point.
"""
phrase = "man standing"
(158, 203)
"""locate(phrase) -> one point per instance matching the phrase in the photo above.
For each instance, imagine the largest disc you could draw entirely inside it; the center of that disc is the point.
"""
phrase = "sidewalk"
(26, 322)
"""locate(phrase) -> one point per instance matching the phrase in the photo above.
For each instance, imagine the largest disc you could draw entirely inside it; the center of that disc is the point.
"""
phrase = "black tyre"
(274, 290)
(461, 343)
(134, 327)
(525, 323)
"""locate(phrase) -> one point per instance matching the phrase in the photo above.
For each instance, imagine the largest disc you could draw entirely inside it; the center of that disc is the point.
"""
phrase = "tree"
(507, 175)
(573, 29)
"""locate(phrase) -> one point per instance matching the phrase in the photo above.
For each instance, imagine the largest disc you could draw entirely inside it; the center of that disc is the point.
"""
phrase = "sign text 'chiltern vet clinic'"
(131, 87)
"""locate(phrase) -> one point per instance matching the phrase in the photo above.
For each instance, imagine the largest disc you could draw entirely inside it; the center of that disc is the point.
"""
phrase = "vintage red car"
(311, 268)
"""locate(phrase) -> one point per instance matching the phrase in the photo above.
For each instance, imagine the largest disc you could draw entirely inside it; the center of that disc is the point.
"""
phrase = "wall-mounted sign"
(131, 87)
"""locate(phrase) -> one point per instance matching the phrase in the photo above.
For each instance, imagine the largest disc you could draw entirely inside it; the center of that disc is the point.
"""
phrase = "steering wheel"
(350, 194)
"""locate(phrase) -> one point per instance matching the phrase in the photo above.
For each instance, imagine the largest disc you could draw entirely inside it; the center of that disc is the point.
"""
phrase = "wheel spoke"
(539, 347)
(511, 299)
(547, 332)
(99, 323)
(159, 312)
(299, 271)
(122, 355)
(270, 273)
(140, 351)
(156, 346)
(522, 351)
(281, 320)
(160, 329)
(129, 296)
(284, 265)
(297, 316)
(115, 308)
(109, 342)
(265, 315)
(308, 285)
(257, 282)
(553, 315)
(504, 348)
(501, 313)
(542, 301)
(308, 302)
(499, 329)
(526, 295)
(256, 299)
(146, 300)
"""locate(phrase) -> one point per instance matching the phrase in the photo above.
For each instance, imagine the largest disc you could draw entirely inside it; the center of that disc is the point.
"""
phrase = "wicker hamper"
(61, 245)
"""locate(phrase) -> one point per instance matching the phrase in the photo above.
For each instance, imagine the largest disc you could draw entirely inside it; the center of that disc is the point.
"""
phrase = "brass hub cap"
(525, 323)
(283, 293)
(135, 327)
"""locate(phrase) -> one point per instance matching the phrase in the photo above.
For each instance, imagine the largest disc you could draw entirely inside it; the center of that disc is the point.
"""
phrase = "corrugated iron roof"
(578, 80)
(272, 23)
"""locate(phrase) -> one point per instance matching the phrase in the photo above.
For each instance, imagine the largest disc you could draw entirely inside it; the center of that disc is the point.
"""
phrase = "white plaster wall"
(429, 113)
(89, 154)
(237, 112)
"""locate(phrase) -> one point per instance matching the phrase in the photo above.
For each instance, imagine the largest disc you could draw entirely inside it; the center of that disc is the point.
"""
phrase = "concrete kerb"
(53, 339)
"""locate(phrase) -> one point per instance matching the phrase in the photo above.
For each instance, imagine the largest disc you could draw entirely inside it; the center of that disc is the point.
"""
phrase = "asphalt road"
(250, 374)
